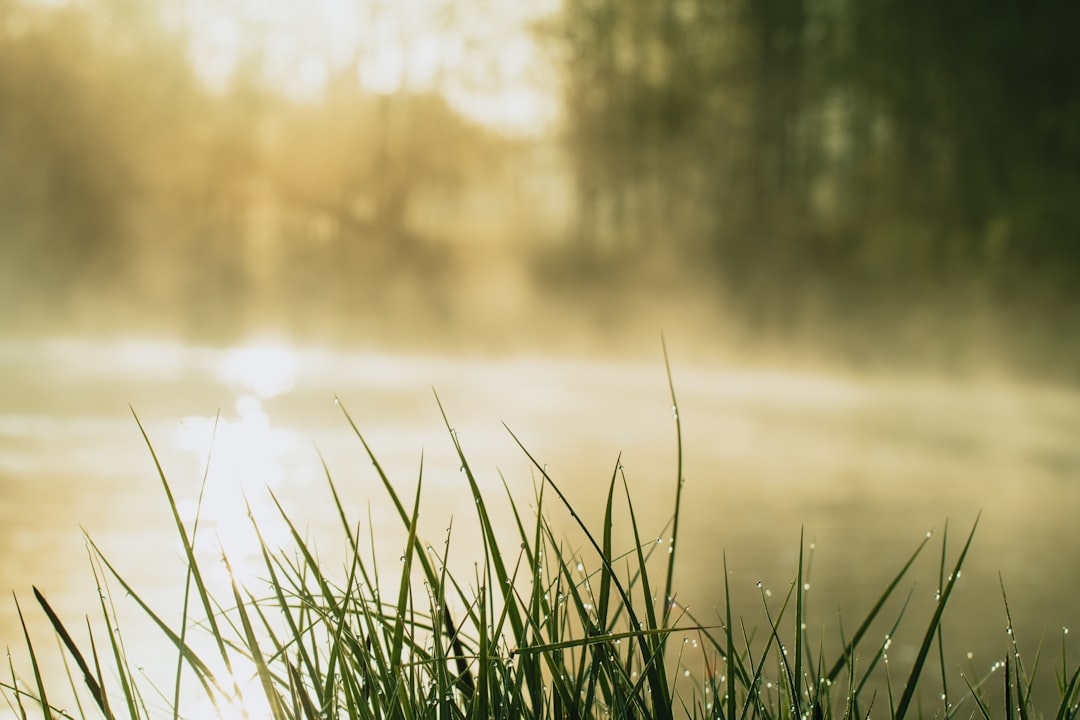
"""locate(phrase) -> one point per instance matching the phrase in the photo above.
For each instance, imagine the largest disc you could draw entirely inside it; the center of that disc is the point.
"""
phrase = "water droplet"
(759, 583)
(970, 655)
(686, 673)
(806, 586)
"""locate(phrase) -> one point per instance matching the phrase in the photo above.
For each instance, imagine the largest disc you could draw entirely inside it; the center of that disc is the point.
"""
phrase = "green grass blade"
(273, 699)
(928, 638)
(15, 688)
(116, 644)
(404, 589)
(729, 637)
(299, 692)
(657, 684)
(940, 630)
(605, 574)
(95, 689)
(202, 670)
(502, 573)
(973, 693)
(1008, 689)
(429, 570)
(800, 621)
(189, 550)
(188, 576)
(849, 648)
(42, 698)
(1066, 709)
(679, 481)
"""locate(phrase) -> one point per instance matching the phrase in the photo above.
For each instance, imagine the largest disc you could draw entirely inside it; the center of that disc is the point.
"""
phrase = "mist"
(866, 186)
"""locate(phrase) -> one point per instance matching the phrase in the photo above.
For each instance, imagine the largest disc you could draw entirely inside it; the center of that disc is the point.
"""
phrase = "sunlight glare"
(483, 60)
(266, 371)
(247, 457)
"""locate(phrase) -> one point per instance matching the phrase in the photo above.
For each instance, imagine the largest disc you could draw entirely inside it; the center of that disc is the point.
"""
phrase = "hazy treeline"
(818, 167)
(132, 195)
(902, 161)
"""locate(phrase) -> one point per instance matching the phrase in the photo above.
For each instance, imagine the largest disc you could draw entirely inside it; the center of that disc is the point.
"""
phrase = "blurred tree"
(58, 182)
(914, 154)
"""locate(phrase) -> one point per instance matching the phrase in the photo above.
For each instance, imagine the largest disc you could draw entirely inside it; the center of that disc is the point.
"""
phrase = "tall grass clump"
(537, 630)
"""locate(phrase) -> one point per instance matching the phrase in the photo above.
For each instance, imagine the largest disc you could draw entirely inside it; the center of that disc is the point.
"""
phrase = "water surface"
(865, 467)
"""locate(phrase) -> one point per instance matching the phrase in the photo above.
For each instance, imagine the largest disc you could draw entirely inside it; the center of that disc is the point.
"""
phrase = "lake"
(867, 466)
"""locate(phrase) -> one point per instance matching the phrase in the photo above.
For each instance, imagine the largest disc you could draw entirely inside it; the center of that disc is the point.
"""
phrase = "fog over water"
(865, 466)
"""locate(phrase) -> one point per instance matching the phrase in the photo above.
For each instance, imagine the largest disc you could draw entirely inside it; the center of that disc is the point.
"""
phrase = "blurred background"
(875, 183)
(856, 223)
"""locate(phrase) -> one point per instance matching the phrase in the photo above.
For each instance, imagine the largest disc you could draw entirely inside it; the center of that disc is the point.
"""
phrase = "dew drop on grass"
(686, 673)
(806, 586)
(759, 584)
(970, 655)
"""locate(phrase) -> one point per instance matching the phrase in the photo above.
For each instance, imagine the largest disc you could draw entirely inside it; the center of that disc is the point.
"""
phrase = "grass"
(538, 630)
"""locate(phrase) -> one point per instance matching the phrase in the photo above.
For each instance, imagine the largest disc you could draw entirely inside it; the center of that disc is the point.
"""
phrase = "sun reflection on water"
(246, 457)
(264, 370)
